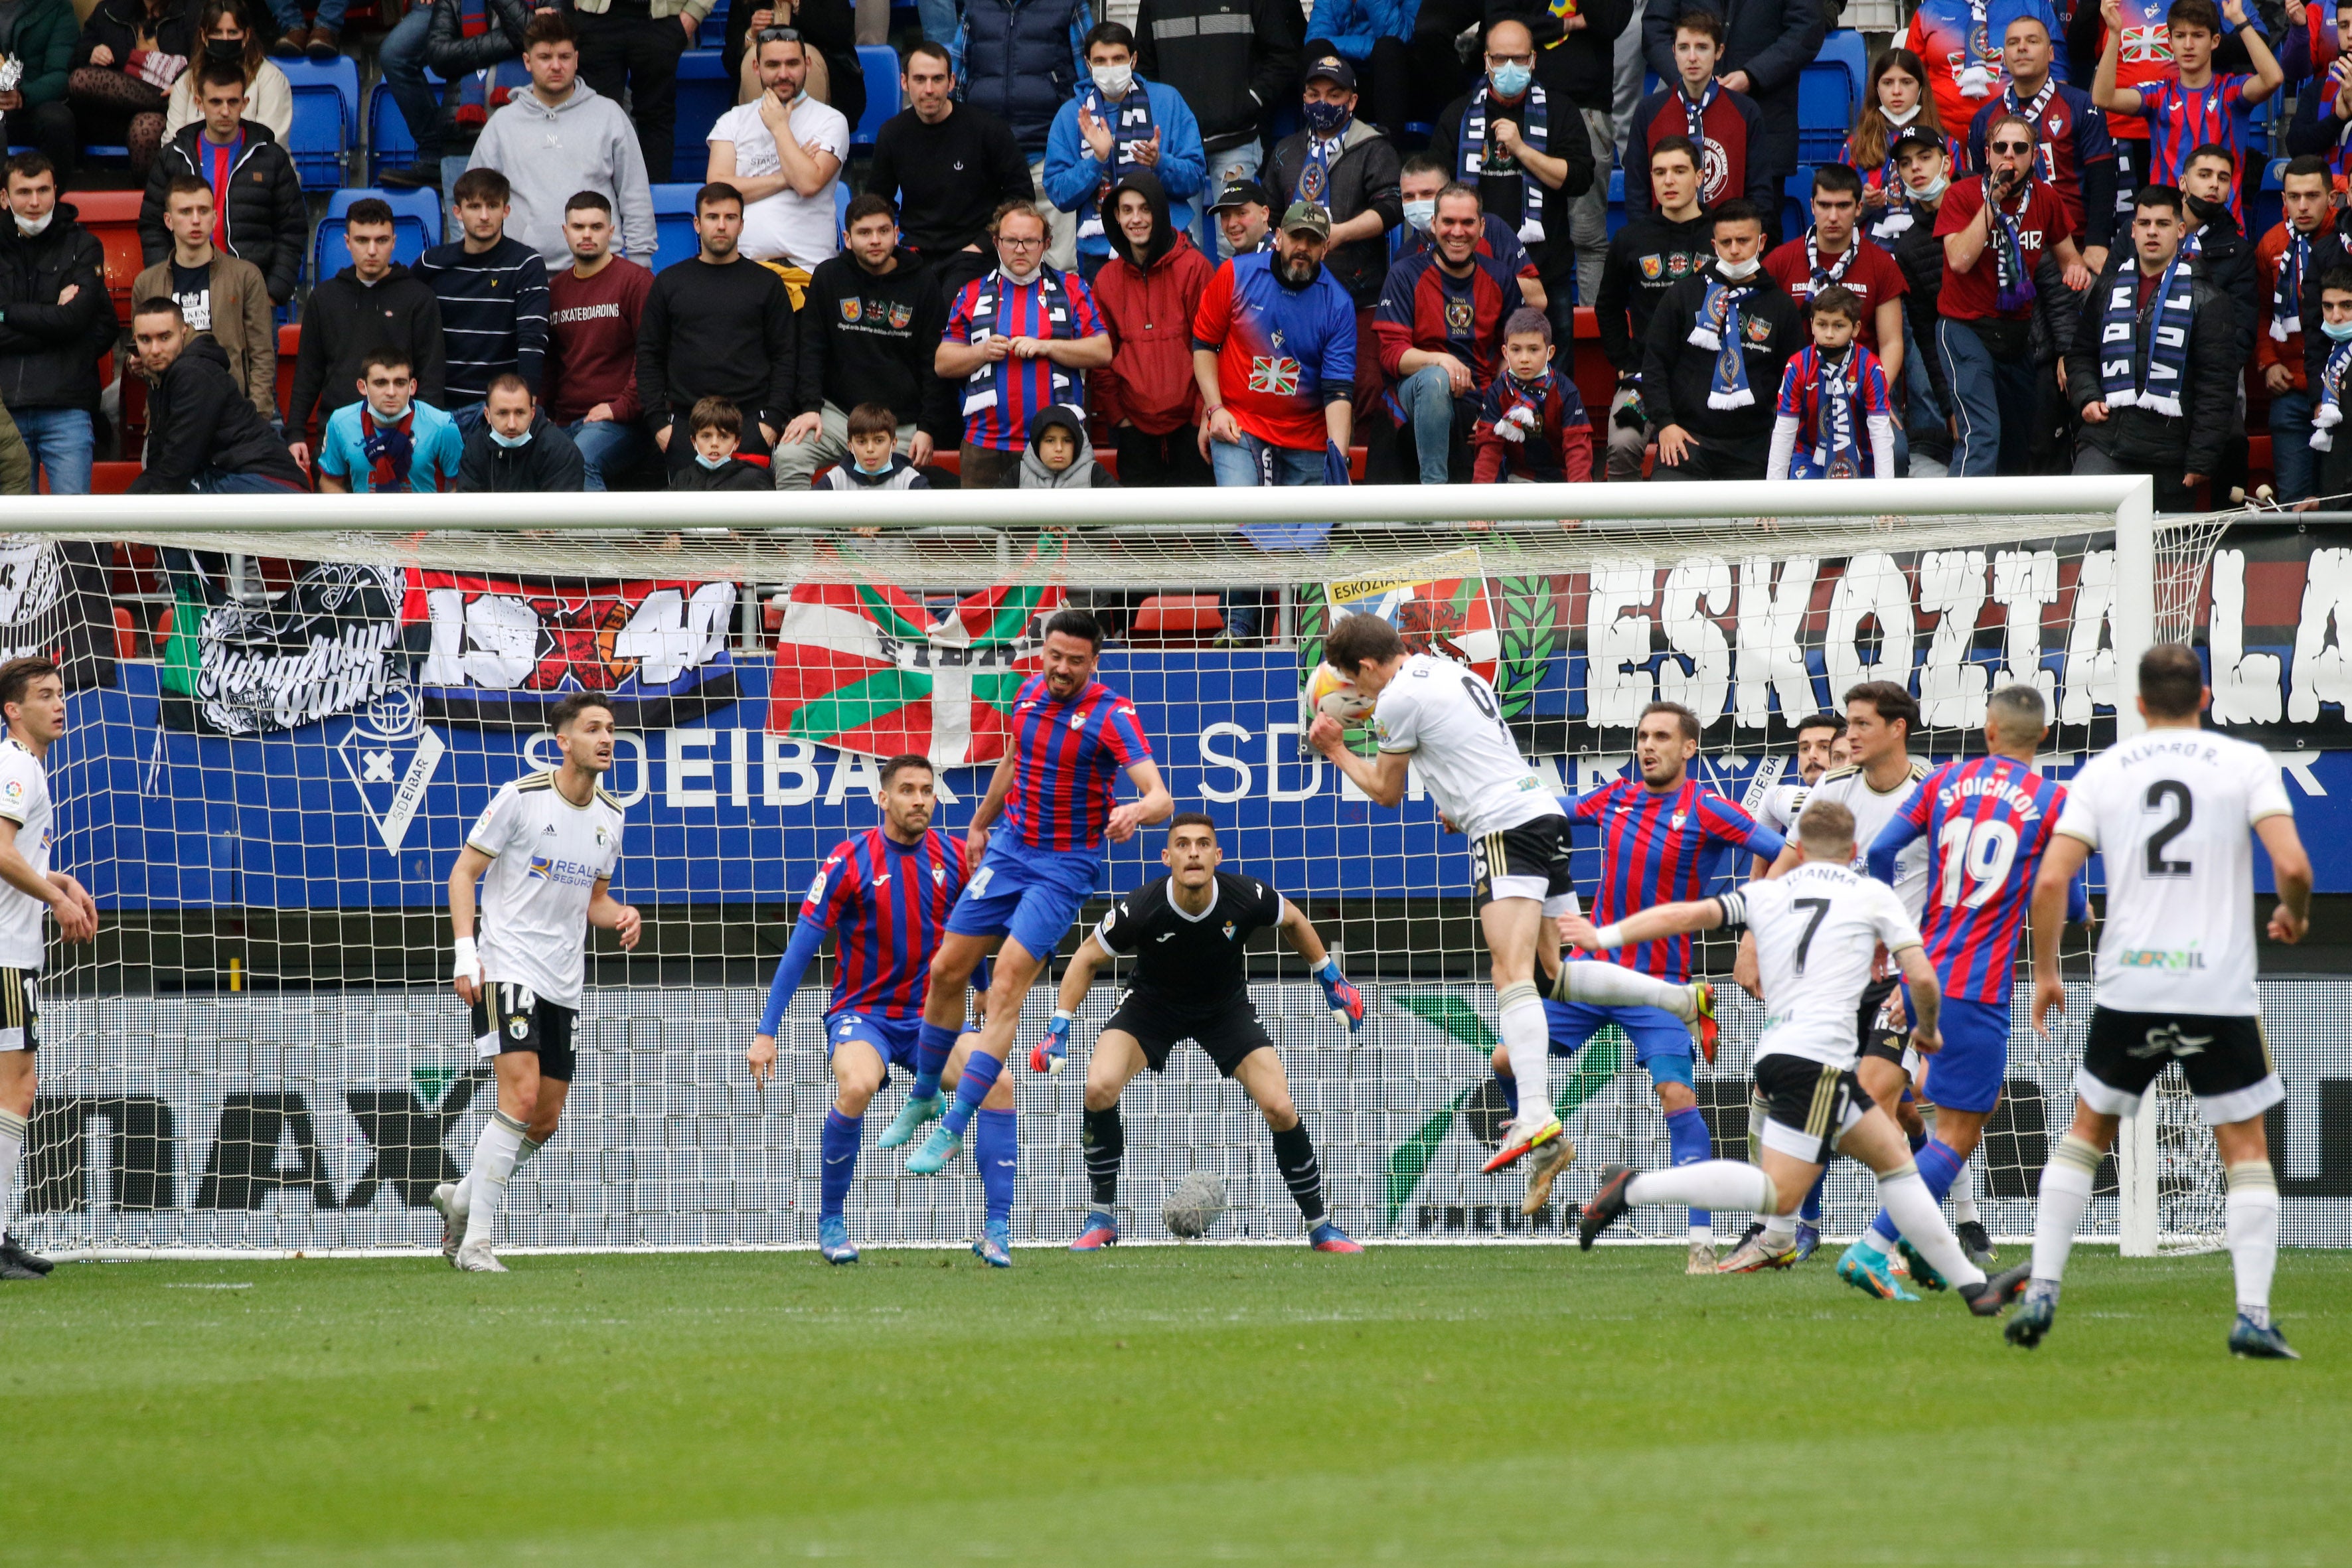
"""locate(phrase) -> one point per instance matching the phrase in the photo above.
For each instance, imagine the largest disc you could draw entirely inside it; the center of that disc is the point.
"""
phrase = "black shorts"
(509, 1018)
(1529, 861)
(1228, 1032)
(1808, 1106)
(2226, 1061)
(1874, 1038)
(20, 1009)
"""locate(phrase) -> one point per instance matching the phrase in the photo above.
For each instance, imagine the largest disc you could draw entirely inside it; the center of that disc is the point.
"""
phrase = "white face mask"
(396, 417)
(1905, 118)
(1112, 82)
(31, 226)
(1736, 271)
(1931, 190)
(1022, 279)
(1420, 213)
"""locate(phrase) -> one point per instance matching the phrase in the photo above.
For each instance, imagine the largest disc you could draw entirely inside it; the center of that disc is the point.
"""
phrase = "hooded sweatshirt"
(584, 144)
(1147, 301)
(1032, 474)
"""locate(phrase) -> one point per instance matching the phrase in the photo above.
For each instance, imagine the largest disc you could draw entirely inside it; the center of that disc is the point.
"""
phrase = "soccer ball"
(1194, 1204)
(1334, 695)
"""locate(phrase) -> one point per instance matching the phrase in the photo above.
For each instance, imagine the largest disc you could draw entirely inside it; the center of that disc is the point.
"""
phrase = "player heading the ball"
(1435, 712)
(883, 896)
(1817, 929)
(2168, 812)
(1055, 790)
(544, 852)
(1187, 931)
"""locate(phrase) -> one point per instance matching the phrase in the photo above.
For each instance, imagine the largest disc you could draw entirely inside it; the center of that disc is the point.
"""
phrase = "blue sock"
(1917, 1140)
(840, 1161)
(996, 1148)
(934, 1043)
(1810, 1213)
(1939, 1166)
(1687, 1142)
(1510, 1091)
(980, 1070)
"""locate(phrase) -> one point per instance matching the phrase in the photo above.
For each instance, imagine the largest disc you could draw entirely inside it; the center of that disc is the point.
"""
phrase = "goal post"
(266, 794)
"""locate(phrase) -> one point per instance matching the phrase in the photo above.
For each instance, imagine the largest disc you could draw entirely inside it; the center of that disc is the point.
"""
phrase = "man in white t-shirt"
(33, 702)
(783, 151)
(2168, 811)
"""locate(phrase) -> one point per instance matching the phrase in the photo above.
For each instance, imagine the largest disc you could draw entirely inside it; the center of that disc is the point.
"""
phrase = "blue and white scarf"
(980, 388)
(1694, 112)
(1315, 173)
(2014, 278)
(2328, 412)
(1718, 330)
(1533, 118)
(1130, 127)
(2120, 382)
(2286, 296)
(1837, 452)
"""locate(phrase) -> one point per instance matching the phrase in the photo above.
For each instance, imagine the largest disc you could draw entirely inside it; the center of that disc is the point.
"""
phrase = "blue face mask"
(1511, 78)
(2337, 332)
(881, 468)
(714, 463)
(1328, 118)
(508, 442)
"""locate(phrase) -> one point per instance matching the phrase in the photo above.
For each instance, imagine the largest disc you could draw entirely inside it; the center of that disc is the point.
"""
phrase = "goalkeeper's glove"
(1340, 993)
(1517, 425)
(1051, 1053)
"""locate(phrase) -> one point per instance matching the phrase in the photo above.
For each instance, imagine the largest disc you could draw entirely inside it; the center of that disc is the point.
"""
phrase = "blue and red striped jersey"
(1987, 822)
(886, 903)
(2182, 118)
(2073, 131)
(1066, 759)
(999, 399)
(1662, 848)
(1801, 398)
(1424, 307)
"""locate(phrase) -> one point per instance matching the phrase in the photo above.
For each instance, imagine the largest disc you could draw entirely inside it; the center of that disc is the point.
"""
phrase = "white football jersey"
(2171, 812)
(1779, 808)
(548, 856)
(25, 801)
(1449, 720)
(1873, 811)
(1817, 930)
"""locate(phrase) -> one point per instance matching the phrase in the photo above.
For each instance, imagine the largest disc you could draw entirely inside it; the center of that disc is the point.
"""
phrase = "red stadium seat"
(113, 217)
(163, 627)
(126, 641)
(289, 344)
(1177, 617)
(112, 478)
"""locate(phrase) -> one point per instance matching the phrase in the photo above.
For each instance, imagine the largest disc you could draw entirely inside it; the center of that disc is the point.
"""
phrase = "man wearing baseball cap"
(1350, 170)
(1244, 216)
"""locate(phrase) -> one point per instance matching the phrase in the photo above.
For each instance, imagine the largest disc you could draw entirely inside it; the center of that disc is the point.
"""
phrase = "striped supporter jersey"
(886, 903)
(999, 399)
(1987, 822)
(1662, 848)
(1066, 757)
(2182, 118)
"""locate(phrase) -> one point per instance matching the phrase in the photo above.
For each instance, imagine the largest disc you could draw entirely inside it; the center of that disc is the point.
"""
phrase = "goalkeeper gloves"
(1340, 993)
(1051, 1053)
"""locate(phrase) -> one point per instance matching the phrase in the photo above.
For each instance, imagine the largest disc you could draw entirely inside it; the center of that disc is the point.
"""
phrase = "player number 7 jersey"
(1817, 930)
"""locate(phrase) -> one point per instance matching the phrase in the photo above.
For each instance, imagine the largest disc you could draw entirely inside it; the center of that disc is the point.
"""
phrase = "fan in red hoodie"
(1146, 295)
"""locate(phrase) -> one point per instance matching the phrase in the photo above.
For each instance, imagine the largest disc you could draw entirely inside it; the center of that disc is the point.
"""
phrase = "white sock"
(1708, 1185)
(2252, 1236)
(493, 1163)
(1921, 1220)
(1603, 985)
(1702, 1235)
(12, 1145)
(2065, 1194)
(1527, 1041)
(1779, 1229)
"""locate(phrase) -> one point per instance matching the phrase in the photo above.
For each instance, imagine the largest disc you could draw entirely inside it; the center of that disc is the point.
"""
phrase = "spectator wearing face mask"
(1424, 176)
(1350, 170)
(229, 41)
(1120, 125)
(516, 449)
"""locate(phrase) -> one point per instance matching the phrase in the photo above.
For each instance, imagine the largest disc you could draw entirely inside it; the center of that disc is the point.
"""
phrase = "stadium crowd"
(1227, 244)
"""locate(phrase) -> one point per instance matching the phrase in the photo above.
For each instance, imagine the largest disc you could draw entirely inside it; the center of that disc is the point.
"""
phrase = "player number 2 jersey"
(1448, 718)
(25, 801)
(548, 857)
(2170, 813)
(1850, 787)
(1817, 930)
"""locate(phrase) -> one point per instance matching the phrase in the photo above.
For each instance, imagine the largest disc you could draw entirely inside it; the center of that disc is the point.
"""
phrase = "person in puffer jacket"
(1148, 293)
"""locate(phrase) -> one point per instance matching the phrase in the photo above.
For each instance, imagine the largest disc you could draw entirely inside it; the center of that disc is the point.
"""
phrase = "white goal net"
(284, 717)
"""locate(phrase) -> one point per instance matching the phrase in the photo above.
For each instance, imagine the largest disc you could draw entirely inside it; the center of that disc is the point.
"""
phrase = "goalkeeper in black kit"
(1186, 933)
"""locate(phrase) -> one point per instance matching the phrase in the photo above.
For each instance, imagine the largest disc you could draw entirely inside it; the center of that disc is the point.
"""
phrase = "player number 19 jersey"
(25, 801)
(2170, 811)
(1817, 930)
(548, 857)
(1449, 720)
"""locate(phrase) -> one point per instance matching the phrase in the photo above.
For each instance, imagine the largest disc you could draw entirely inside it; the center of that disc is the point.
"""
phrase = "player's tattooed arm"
(608, 914)
(2060, 862)
(471, 864)
(1926, 998)
(1152, 804)
(2290, 873)
(1381, 776)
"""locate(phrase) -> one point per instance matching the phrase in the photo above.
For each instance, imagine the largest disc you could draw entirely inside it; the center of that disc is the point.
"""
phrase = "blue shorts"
(893, 1039)
(1662, 1042)
(1966, 1074)
(1028, 894)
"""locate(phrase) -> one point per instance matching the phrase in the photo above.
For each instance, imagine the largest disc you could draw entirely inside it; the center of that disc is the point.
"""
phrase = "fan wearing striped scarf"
(1833, 395)
(2327, 391)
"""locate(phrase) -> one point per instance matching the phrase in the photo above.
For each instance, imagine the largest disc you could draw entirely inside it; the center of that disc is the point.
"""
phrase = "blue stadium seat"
(1824, 111)
(1616, 201)
(326, 119)
(389, 144)
(1796, 202)
(881, 65)
(714, 26)
(1844, 47)
(841, 208)
(705, 91)
(674, 223)
(2266, 201)
(412, 229)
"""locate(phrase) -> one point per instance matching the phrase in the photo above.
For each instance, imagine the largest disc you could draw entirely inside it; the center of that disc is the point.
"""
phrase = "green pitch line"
(1497, 1408)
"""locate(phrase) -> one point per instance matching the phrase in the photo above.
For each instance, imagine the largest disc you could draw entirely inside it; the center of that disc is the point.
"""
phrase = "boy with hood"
(1148, 294)
(1058, 457)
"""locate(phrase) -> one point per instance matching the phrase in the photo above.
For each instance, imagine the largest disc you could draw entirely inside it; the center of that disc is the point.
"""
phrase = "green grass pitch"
(1497, 1407)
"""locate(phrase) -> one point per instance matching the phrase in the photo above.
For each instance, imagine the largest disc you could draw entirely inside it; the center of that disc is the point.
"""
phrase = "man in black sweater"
(203, 433)
(1233, 62)
(716, 325)
(870, 325)
(1654, 251)
(1715, 420)
(946, 165)
(374, 303)
(492, 290)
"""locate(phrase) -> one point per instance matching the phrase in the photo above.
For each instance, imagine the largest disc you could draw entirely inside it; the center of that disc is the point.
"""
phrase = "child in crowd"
(1832, 394)
(1059, 457)
(717, 428)
(1534, 427)
(874, 460)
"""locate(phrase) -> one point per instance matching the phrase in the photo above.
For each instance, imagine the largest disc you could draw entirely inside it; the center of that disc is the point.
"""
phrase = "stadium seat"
(111, 478)
(674, 238)
(410, 233)
(1177, 617)
(326, 119)
(2266, 200)
(389, 144)
(841, 208)
(290, 348)
(126, 641)
(881, 64)
(705, 91)
(1796, 202)
(1824, 110)
(1616, 201)
(113, 217)
(1847, 48)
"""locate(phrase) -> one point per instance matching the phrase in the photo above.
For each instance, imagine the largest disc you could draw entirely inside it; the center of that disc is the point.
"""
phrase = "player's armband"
(1734, 907)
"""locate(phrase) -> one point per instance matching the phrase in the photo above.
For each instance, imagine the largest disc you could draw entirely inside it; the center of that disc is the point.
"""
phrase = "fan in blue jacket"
(1118, 124)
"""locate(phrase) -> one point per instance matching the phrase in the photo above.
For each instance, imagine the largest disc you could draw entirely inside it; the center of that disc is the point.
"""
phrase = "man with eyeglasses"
(1574, 50)
(783, 151)
(1019, 338)
(2078, 156)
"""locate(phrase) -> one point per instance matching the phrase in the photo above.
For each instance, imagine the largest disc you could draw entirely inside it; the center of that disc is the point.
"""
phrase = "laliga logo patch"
(391, 756)
(15, 790)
